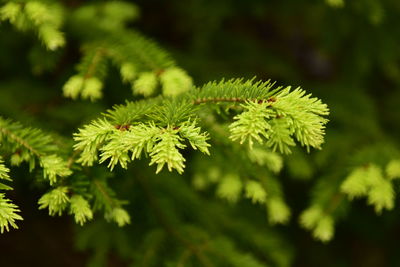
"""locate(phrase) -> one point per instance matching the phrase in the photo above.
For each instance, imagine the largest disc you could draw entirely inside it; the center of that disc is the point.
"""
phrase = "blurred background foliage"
(345, 52)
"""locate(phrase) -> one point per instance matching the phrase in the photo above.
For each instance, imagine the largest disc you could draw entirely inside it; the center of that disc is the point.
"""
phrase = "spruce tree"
(157, 160)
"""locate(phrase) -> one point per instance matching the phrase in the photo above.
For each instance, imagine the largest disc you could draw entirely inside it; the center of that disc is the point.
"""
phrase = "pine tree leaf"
(128, 72)
(56, 201)
(4, 171)
(280, 138)
(278, 211)
(10, 11)
(92, 89)
(311, 216)
(8, 214)
(89, 139)
(393, 169)
(356, 184)
(382, 196)
(230, 187)
(251, 124)
(119, 215)
(324, 229)
(255, 192)
(166, 151)
(73, 87)
(54, 166)
(80, 208)
(265, 157)
(193, 134)
(145, 84)
(175, 81)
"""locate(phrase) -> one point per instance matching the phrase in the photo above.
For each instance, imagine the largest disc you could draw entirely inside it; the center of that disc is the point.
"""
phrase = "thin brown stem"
(334, 203)
(230, 99)
(71, 159)
(96, 58)
(219, 99)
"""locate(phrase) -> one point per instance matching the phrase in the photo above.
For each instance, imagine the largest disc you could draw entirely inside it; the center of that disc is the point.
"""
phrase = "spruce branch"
(43, 18)
(88, 83)
(89, 138)
(271, 117)
(30, 145)
(194, 248)
(105, 199)
(370, 181)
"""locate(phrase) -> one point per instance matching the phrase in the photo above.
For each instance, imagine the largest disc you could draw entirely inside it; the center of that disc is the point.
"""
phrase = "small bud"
(92, 89)
(128, 72)
(145, 84)
(73, 86)
(175, 81)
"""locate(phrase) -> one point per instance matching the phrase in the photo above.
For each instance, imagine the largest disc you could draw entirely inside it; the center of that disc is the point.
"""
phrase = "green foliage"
(175, 81)
(251, 124)
(8, 210)
(369, 181)
(8, 214)
(145, 84)
(56, 201)
(230, 187)
(162, 144)
(255, 192)
(80, 208)
(393, 169)
(278, 211)
(43, 18)
(4, 175)
(119, 215)
(31, 145)
(90, 138)
(128, 105)
(265, 157)
(322, 225)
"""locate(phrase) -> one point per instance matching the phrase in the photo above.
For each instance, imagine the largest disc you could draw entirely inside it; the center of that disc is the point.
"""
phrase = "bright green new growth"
(230, 187)
(369, 181)
(322, 225)
(264, 157)
(90, 138)
(43, 18)
(31, 145)
(255, 192)
(80, 208)
(146, 84)
(8, 214)
(393, 169)
(8, 210)
(119, 215)
(157, 128)
(4, 175)
(54, 166)
(278, 210)
(56, 201)
(175, 81)
(252, 123)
